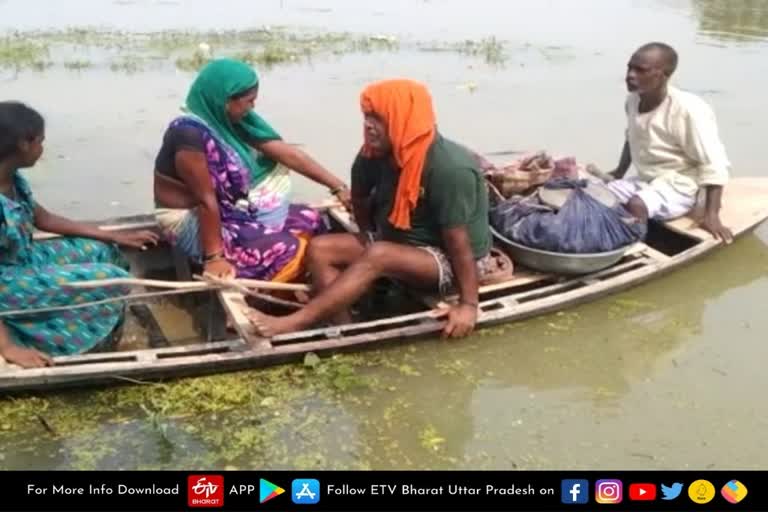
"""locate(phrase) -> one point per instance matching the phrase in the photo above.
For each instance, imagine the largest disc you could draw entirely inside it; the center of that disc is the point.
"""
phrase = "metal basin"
(559, 263)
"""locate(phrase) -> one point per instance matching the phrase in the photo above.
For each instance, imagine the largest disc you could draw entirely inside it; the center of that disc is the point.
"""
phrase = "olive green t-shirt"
(453, 193)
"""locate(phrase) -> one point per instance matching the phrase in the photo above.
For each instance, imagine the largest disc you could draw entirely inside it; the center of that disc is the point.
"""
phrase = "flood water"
(668, 375)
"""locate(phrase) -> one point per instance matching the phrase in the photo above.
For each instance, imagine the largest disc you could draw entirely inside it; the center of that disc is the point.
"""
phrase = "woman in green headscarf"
(222, 186)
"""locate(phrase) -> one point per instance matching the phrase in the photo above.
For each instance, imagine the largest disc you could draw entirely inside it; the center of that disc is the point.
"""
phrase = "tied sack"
(583, 225)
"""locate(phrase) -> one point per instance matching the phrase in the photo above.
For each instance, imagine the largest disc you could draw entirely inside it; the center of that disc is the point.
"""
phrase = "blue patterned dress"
(32, 274)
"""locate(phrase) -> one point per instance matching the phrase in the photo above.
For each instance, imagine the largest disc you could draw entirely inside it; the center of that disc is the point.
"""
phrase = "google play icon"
(268, 490)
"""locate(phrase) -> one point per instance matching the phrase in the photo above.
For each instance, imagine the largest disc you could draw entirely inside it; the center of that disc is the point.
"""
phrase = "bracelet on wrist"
(335, 191)
(218, 255)
(469, 303)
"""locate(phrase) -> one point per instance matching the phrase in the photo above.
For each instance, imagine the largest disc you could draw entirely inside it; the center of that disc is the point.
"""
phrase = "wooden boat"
(668, 246)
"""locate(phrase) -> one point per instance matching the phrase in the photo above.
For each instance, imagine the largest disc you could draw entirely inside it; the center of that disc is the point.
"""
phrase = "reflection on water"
(732, 20)
(573, 389)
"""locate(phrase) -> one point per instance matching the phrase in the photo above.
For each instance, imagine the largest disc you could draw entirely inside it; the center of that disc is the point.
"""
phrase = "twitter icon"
(671, 492)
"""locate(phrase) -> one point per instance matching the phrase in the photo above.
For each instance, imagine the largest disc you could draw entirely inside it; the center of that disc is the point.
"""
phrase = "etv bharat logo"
(205, 491)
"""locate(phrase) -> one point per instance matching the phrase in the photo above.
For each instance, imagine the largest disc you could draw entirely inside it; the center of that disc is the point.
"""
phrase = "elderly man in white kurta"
(674, 144)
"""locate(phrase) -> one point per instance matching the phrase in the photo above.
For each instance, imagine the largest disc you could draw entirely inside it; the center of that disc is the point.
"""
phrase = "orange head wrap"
(405, 106)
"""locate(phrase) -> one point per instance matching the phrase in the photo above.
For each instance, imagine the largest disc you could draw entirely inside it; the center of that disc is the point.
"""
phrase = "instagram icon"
(608, 491)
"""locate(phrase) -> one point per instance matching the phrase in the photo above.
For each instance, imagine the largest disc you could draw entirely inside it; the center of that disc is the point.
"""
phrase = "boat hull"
(525, 296)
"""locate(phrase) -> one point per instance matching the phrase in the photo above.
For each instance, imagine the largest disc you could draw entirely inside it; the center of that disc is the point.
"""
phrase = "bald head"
(663, 54)
(650, 68)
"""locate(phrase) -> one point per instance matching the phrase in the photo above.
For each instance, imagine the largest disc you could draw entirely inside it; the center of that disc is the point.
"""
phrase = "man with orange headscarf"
(422, 207)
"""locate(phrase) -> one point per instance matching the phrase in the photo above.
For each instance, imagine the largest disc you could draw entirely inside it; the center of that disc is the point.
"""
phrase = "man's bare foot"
(269, 326)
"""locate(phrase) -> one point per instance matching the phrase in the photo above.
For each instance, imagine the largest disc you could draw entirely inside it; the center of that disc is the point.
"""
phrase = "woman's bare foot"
(269, 326)
(26, 357)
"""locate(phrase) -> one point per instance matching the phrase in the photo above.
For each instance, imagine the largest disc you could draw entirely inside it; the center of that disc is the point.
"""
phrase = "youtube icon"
(642, 492)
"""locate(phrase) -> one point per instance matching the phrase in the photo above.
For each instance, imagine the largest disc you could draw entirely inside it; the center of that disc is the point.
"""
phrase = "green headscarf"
(218, 81)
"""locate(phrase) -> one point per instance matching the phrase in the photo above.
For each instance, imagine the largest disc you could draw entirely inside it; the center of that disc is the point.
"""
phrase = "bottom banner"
(385, 491)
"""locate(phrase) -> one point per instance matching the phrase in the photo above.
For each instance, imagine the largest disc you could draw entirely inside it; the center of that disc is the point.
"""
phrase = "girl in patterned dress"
(32, 273)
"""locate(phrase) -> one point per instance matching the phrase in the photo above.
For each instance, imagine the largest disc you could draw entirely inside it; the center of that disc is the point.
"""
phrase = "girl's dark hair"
(18, 122)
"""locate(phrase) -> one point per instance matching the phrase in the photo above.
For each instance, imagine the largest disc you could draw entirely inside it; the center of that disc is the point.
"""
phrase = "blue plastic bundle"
(583, 224)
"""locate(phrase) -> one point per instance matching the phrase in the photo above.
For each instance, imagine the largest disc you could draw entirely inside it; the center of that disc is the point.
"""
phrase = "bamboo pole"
(325, 204)
(204, 283)
(127, 298)
(135, 296)
(269, 285)
(135, 281)
(223, 283)
(131, 226)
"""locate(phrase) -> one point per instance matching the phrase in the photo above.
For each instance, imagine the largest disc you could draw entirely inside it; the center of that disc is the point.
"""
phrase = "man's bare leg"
(410, 264)
(637, 208)
(327, 257)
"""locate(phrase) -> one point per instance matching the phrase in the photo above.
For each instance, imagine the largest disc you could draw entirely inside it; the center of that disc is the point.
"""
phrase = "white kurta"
(677, 144)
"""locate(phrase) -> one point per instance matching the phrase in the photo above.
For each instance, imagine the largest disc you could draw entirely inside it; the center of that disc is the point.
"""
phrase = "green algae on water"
(239, 418)
(431, 439)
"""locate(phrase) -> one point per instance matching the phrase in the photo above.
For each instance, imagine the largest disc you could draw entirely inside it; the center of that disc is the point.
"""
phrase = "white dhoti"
(662, 200)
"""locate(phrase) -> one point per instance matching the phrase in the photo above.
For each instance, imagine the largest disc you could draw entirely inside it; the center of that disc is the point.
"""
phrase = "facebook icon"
(574, 492)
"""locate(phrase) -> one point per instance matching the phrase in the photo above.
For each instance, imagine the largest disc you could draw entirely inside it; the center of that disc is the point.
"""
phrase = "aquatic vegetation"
(408, 370)
(226, 418)
(190, 50)
(77, 65)
(376, 43)
(193, 63)
(431, 439)
(269, 47)
(491, 49)
(16, 52)
(297, 416)
(454, 368)
(272, 54)
(128, 64)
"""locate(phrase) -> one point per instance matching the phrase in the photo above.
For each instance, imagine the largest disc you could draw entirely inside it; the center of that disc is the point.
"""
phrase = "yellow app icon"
(701, 491)
(734, 491)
